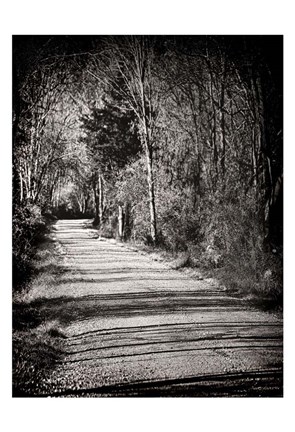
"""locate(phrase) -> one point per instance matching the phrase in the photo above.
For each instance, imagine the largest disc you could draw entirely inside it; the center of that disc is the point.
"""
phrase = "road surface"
(133, 327)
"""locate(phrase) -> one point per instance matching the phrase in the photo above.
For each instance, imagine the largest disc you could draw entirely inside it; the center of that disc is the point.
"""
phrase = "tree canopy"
(183, 133)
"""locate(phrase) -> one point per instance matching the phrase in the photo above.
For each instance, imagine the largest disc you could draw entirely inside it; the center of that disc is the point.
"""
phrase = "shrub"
(28, 225)
(234, 240)
(131, 192)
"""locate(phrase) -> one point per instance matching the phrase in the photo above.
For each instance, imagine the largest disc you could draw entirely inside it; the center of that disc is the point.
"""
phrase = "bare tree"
(126, 65)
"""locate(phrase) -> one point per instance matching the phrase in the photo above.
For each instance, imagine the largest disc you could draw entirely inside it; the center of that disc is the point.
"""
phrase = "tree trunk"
(213, 129)
(151, 192)
(222, 124)
(254, 164)
(147, 144)
(96, 202)
(264, 170)
(86, 200)
(21, 187)
(121, 222)
(101, 198)
(57, 196)
(133, 63)
(80, 204)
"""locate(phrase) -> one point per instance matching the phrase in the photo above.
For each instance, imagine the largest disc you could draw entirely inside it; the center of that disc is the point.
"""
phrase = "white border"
(152, 17)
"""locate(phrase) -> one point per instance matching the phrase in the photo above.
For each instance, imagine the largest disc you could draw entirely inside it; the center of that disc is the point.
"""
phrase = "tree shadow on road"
(157, 339)
(68, 309)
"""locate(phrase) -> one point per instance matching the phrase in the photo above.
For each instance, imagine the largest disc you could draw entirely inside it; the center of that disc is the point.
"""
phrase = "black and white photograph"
(147, 216)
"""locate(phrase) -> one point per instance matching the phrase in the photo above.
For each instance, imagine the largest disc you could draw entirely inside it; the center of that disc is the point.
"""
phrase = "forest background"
(174, 142)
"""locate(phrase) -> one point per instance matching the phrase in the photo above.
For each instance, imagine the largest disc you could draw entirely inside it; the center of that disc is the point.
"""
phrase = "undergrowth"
(221, 230)
(35, 340)
(29, 230)
(238, 260)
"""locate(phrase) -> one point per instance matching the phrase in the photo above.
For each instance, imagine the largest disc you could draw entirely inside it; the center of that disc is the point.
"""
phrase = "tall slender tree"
(127, 66)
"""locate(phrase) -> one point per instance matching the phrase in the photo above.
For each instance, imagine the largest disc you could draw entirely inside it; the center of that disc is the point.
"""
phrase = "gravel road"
(134, 327)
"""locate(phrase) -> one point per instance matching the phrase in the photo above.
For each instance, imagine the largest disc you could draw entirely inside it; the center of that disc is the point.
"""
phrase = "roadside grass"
(34, 355)
(257, 278)
(260, 282)
(35, 340)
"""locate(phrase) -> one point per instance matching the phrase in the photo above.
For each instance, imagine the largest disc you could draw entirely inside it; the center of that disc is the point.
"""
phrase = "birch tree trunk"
(101, 199)
(144, 77)
(121, 222)
(21, 186)
(130, 59)
(151, 191)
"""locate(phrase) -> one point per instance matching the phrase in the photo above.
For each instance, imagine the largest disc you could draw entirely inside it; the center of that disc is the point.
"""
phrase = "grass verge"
(36, 341)
(258, 281)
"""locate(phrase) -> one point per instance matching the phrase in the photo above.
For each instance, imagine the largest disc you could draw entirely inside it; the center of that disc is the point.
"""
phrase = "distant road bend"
(134, 327)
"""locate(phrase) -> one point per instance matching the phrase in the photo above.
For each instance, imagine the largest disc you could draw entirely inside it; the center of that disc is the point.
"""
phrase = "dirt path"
(133, 327)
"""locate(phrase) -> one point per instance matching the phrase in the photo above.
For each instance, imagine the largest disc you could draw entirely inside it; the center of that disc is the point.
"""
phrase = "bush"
(233, 240)
(109, 227)
(28, 226)
(131, 192)
(220, 231)
(178, 220)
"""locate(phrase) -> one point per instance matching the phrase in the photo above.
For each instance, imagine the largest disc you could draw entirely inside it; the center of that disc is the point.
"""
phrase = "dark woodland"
(174, 143)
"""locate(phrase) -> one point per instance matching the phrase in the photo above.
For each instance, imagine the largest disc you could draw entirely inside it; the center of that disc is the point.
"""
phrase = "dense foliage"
(170, 141)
